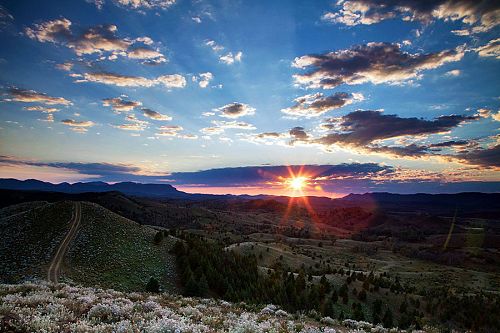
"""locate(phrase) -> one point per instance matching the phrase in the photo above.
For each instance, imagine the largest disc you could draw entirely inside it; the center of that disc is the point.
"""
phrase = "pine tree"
(362, 295)
(158, 237)
(153, 286)
(203, 285)
(387, 320)
(191, 287)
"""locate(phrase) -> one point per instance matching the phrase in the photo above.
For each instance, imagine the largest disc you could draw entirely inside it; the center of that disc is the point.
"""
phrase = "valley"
(408, 266)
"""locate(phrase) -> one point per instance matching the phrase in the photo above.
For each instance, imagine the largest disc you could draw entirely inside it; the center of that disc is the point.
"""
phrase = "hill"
(108, 250)
(30, 239)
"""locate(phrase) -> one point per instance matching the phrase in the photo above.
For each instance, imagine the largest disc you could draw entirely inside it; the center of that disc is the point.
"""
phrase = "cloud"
(488, 157)
(314, 105)
(169, 81)
(454, 72)
(67, 66)
(196, 19)
(214, 46)
(49, 118)
(100, 169)
(78, 126)
(154, 115)
(481, 15)
(174, 131)
(120, 105)
(131, 127)
(235, 110)
(212, 130)
(95, 40)
(146, 4)
(233, 124)
(491, 49)
(43, 109)
(6, 18)
(374, 62)
(487, 113)
(203, 79)
(31, 96)
(298, 134)
(151, 57)
(172, 81)
(171, 130)
(361, 128)
(230, 59)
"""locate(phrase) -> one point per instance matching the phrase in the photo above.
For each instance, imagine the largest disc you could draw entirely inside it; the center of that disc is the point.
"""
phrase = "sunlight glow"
(298, 183)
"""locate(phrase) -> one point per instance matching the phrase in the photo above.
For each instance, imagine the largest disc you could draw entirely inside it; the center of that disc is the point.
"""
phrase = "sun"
(298, 183)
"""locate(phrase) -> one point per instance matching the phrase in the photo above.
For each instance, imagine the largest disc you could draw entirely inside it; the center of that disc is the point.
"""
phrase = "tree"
(362, 295)
(328, 310)
(191, 287)
(202, 285)
(335, 297)
(153, 286)
(387, 320)
(158, 237)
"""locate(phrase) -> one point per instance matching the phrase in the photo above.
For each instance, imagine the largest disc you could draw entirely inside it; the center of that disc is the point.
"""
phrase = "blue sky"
(165, 86)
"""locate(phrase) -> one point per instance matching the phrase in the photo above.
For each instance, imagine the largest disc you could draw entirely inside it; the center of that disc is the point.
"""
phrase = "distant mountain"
(468, 203)
(130, 188)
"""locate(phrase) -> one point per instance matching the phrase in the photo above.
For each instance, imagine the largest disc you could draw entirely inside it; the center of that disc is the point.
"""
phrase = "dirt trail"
(55, 264)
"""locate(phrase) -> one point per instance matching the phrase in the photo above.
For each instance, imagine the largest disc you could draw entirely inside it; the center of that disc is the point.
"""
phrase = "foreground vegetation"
(43, 307)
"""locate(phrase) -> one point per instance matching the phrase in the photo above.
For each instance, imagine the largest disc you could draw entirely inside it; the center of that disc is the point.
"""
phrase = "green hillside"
(111, 251)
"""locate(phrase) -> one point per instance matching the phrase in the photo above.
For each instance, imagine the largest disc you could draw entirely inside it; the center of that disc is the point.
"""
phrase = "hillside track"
(55, 264)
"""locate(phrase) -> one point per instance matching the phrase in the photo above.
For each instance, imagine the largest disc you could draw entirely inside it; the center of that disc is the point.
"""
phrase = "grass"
(113, 252)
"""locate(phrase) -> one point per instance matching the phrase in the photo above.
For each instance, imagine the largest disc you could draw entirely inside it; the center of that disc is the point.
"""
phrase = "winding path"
(55, 264)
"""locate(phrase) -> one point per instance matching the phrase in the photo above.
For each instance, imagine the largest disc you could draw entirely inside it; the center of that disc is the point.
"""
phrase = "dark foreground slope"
(108, 250)
(29, 238)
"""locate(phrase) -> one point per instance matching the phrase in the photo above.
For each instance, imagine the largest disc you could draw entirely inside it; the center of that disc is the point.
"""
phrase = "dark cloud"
(98, 39)
(120, 105)
(483, 15)
(80, 126)
(235, 110)
(361, 128)
(154, 115)
(269, 135)
(374, 62)
(488, 157)
(298, 134)
(262, 174)
(453, 143)
(97, 169)
(313, 105)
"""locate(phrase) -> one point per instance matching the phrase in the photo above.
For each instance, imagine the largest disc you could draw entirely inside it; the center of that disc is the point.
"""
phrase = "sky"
(242, 96)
